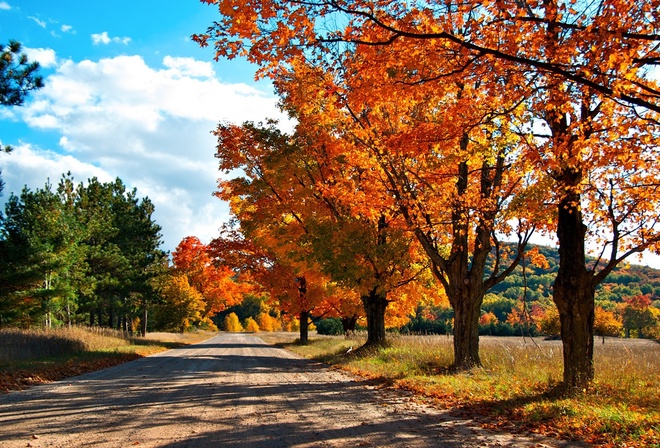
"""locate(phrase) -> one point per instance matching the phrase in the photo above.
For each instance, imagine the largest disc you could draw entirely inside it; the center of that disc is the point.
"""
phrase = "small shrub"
(232, 324)
(329, 326)
(251, 325)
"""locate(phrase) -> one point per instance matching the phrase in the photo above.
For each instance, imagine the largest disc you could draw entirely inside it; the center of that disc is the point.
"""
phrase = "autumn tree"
(451, 183)
(232, 324)
(182, 307)
(218, 285)
(637, 317)
(292, 287)
(289, 186)
(606, 323)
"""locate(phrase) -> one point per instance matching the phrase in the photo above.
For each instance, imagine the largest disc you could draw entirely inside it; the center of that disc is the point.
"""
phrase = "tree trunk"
(467, 312)
(111, 317)
(375, 305)
(304, 327)
(143, 322)
(574, 292)
(348, 324)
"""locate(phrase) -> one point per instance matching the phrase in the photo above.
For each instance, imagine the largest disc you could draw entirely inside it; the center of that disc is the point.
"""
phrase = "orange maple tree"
(453, 184)
(288, 202)
(217, 285)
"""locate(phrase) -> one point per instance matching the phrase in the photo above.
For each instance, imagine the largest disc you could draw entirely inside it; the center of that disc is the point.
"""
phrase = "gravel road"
(232, 391)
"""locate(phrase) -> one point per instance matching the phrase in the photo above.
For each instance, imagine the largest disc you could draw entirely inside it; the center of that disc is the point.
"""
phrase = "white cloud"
(104, 39)
(189, 67)
(32, 166)
(38, 21)
(101, 38)
(67, 29)
(150, 126)
(44, 56)
(5, 6)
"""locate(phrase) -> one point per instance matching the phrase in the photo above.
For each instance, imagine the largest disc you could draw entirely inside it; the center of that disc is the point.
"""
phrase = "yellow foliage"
(232, 324)
(267, 322)
(250, 325)
(291, 325)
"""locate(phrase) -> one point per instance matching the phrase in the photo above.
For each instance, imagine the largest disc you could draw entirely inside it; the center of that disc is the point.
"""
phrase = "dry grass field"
(30, 357)
(517, 386)
(515, 389)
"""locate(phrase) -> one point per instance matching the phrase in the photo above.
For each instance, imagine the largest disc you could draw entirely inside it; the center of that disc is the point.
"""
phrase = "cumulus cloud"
(33, 166)
(103, 38)
(5, 6)
(44, 56)
(67, 29)
(150, 126)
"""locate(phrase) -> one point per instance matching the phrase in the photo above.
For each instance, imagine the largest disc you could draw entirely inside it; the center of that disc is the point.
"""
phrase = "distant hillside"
(625, 281)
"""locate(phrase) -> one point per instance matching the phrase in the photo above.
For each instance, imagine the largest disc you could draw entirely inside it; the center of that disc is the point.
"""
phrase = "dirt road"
(230, 391)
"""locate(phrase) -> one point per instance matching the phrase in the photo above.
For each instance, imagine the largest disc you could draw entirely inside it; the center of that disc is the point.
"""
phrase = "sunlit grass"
(35, 356)
(518, 381)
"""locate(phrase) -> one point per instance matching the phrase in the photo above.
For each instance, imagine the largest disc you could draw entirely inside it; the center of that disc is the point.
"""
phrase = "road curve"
(231, 391)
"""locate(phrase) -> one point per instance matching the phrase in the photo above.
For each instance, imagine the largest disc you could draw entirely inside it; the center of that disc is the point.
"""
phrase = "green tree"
(18, 77)
(41, 254)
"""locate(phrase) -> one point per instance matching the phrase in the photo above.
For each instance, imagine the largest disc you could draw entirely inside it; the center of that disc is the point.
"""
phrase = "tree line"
(438, 129)
(79, 253)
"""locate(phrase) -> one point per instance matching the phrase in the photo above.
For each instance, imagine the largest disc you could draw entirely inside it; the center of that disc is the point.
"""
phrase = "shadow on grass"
(23, 374)
(155, 342)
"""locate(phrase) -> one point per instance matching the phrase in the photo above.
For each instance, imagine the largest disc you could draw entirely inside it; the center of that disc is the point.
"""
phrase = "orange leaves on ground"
(18, 379)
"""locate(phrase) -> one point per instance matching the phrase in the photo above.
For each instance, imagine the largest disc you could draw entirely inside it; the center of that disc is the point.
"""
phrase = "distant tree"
(637, 316)
(606, 323)
(182, 306)
(40, 252)
(82, 252)
(232, 324)
(550, 325)
(267, 322)
(250, 325)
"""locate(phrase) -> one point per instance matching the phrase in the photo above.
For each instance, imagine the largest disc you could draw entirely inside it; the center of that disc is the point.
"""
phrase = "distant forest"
(627, 280)
(627, 302)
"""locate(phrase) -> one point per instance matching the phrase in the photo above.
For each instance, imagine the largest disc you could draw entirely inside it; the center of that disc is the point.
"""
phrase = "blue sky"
(128, 95)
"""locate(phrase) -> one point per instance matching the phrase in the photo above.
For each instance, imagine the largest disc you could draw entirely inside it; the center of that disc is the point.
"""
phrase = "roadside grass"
(517, 387)
(29, 357)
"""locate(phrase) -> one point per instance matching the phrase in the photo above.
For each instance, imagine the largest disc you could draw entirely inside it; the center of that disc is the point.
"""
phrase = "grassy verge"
(516, 387)
(29, 357)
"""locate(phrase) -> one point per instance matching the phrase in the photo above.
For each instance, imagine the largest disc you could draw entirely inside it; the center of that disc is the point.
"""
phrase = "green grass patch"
(518, 382)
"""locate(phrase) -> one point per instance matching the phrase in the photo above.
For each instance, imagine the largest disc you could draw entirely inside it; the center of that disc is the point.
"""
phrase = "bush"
(250, 325)
(330, 326)
(232, 323)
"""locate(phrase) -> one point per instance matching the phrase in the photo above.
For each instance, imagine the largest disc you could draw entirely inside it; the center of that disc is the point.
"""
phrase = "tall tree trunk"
(304, 327)
(111, 317)
(467, 311)
(375, 305)
(143, 322)
(574, 291)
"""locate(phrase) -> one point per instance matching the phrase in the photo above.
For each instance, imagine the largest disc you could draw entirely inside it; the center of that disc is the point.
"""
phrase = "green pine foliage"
(78, 254)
